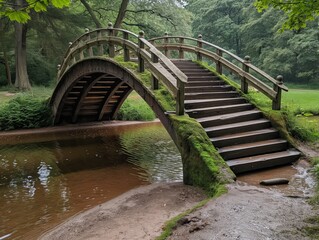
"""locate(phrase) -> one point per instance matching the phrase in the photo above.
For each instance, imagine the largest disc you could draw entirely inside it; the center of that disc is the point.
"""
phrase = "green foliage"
(135, 108)
(25, 111)
(22, 13)
(298, 12)
(239, 28)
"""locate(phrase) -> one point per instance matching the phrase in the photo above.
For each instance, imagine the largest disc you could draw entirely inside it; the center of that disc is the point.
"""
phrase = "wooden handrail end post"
(199, 45)
(243, 82)
(276, 104)
(180, 97)
(141, 65)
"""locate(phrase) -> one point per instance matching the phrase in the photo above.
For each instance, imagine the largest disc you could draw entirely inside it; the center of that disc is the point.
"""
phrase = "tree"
(20, 11)
(299, 12)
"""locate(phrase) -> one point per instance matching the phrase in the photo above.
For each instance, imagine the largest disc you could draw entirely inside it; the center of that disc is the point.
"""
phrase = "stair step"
(202, 78)
(245, 137)
(189, 104)
(237, 127)
(252, 149)
(230, 118)
(211, 95)
(200, 74)
(205, 83)
(258, 162)
(213, 111)
(220, 88)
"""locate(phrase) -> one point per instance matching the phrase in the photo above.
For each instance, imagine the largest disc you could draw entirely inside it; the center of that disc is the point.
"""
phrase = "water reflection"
(43, 183)
(153, 151)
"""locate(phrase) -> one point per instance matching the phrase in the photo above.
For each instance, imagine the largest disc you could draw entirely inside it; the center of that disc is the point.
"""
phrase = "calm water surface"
(45, 182)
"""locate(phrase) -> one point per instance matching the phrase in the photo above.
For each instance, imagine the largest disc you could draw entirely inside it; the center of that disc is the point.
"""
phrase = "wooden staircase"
(240, 132)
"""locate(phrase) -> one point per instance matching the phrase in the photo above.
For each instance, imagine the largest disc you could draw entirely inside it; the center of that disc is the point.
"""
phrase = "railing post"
(199, 45)
(180, 97)
(111, 45)
(276, 104)
(100, 45)
(166, 51)
(73, 59)
(90, 50)
(181, 51)
(244, 84)
(126, 50)
(154, 79)
(219, 67)
(141, 66)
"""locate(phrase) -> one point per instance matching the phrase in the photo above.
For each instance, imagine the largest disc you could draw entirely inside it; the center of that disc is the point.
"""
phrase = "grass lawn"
(39, 92)
(302, 100)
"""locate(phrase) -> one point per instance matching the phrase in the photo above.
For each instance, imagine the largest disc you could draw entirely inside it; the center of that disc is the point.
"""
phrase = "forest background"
(234, 25)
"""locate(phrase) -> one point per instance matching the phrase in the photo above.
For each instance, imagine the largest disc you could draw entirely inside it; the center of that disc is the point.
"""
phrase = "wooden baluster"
(276, 104)
(166, 51)
(180, 97)
(100, 45)
(141, 66)
(245, 67)
(199, 45)
(59, 70)
(88, 38)
(73, 59)
(181, 51)
(111, 45)
(126, 50)
(219, 67)
(154, 79)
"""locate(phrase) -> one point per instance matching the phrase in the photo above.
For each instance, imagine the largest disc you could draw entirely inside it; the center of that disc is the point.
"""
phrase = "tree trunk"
(22, 80)
(94, 18)
(7, 67)
(121, 13)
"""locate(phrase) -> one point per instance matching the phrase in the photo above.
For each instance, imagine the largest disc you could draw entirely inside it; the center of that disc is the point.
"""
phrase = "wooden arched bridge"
(93, 83)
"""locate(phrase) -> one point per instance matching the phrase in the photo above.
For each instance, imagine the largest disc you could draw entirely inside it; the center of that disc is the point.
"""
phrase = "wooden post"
(219, 67)
(276, 104)
(141, 66)
(166, 51)
(126, 50)
(181, 51)
(180, 97)
(199, 45)
(100, 45)
(154, 79)
(111, 45)
(244, 84)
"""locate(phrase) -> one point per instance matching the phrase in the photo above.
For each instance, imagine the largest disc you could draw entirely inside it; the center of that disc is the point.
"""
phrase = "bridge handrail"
(197, 46)
(173, 78)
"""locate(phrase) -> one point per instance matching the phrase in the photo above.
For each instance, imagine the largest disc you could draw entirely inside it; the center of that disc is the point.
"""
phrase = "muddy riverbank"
(246, 212)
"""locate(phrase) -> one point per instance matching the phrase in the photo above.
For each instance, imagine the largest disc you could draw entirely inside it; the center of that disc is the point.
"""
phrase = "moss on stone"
(202, 165)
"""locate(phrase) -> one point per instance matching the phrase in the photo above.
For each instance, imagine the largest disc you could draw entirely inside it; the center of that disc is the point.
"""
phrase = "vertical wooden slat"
(126, 50)
(100, 45)
(166, 51)
(111, 45)
(141, 66)
(180, 97)
(154, 79)
(181, 51)
(219, 67)
(199, 45)
(244, 83)
(276, 104)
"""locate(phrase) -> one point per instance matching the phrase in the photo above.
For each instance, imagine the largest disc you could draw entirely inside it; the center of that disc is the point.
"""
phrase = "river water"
(54, 176)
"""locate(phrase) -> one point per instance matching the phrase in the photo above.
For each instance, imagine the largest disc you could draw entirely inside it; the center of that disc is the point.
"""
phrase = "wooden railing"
(103, 43)
(248, 73)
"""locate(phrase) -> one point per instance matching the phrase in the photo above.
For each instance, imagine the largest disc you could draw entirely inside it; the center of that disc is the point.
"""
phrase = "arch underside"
(94, 90)
(92, 97)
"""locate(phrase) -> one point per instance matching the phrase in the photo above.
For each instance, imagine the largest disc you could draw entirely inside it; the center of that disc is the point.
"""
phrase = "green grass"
(300, 109)
(135, 108)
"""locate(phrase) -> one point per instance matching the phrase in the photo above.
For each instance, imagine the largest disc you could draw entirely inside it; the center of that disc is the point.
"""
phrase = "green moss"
(172, 223)
(202, 165)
